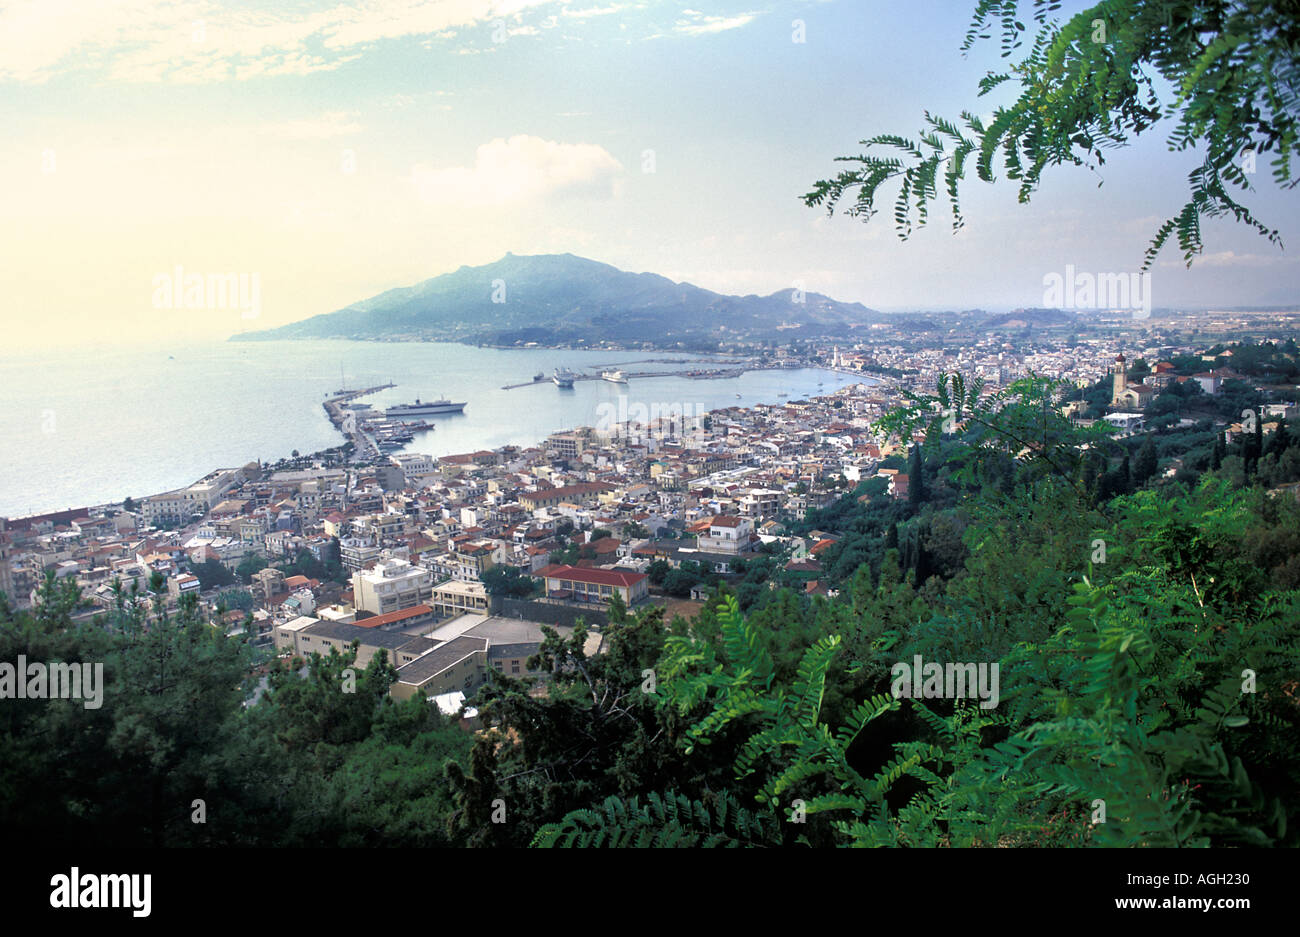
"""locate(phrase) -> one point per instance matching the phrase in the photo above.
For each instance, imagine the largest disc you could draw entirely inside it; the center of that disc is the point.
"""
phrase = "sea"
(83, 427)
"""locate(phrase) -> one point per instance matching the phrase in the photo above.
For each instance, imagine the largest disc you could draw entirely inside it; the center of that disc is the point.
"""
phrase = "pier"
(363, 445)
(699, 374)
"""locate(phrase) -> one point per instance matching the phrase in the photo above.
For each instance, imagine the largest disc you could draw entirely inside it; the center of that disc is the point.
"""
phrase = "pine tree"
(1125, 481)
(891, 537)
(1219, 451)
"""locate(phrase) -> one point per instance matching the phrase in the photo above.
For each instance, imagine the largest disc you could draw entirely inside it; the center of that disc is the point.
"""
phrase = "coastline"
(332, 453)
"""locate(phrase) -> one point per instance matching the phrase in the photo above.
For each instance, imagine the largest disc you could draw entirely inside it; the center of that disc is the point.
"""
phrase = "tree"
(240, 599)
(1280, 440)
(1095, 82)
(129, 504)
(1144, 467)
(212, 574)
(508, 581)
(249, 566)
(915, 479)
(658, 571)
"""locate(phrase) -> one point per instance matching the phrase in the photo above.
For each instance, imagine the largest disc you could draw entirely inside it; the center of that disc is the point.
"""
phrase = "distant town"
(452, 565)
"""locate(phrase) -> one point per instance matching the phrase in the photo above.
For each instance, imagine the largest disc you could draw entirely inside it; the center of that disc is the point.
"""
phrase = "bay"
(84, 427)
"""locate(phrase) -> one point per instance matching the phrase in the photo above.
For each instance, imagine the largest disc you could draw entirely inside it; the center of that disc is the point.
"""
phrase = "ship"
(539, 376)
(404, 410)
(614, 377)
(563, 377)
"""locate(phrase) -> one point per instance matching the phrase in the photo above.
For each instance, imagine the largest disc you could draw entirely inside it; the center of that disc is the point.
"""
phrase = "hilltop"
(561, 299)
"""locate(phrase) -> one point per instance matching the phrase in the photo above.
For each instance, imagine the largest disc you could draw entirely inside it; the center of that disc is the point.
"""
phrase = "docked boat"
(614, 377)
(539, 376)
(432, 407)
(563, 377)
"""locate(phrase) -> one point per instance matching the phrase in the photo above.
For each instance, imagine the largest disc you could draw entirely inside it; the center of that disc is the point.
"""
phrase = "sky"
(325, 152)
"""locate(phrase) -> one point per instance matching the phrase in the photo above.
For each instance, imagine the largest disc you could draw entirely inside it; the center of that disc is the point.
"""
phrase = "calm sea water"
(89, 427)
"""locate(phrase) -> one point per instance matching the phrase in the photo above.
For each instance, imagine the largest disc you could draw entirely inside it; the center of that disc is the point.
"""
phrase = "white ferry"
(402, 411)
(614, 377)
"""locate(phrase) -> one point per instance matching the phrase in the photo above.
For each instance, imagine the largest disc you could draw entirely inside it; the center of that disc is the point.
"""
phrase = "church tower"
(1121, 381)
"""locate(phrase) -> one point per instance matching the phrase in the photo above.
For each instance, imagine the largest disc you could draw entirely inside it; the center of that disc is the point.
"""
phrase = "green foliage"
(668, 821)
(309, 764)
(509, 581)
(1227, 73)
(213, 574)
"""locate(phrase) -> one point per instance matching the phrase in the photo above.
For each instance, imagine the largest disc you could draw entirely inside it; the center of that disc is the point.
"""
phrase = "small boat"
(539, 376)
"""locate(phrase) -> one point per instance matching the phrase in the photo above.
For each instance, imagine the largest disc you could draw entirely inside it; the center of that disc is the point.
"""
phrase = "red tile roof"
(415, 611)
(599, 577)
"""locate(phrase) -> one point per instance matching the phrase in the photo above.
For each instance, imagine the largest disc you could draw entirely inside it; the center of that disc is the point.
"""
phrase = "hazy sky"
(338, 150)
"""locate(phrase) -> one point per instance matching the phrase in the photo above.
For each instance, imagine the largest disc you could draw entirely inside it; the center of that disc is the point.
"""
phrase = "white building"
(728, 534)
(391, 585)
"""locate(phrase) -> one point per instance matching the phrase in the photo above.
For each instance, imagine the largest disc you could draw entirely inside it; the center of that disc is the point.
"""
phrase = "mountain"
(561, 299)
(1028, 318)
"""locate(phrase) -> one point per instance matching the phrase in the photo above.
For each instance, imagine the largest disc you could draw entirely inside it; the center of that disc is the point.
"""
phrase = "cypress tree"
(1147, 462)
(1280, 440)
(915, 479)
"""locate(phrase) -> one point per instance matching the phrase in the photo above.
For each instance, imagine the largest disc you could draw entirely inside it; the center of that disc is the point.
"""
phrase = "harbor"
(351, 422)
(624, 377)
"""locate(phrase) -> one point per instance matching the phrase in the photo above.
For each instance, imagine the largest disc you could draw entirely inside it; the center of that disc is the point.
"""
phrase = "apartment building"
(458, 598)
(390, 585)
(550, 497)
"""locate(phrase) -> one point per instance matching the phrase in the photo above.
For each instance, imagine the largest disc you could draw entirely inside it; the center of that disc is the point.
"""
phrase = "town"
(453, 565)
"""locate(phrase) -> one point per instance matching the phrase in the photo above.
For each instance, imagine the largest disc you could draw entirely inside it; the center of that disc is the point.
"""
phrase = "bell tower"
(1120, 381)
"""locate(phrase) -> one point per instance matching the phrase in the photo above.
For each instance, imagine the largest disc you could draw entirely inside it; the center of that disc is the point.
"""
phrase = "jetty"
(694, 373)
(364, 447)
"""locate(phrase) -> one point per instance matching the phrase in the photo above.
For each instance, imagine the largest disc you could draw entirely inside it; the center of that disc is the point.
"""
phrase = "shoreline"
(345, 463)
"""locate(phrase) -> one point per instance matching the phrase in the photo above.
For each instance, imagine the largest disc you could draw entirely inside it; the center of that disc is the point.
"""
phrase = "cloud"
(332, 124)
(597, 11)
(521, 169)
(696, 23)
(200, 41)
(1231, 259)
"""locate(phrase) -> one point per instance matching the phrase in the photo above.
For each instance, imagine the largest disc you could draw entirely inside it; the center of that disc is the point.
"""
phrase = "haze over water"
(84, 427)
